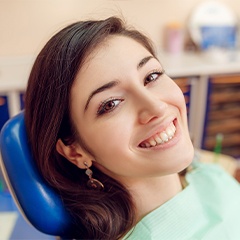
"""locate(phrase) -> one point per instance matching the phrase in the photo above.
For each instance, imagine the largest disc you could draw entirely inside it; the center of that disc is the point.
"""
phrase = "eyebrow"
(113, 83)
(144, 61)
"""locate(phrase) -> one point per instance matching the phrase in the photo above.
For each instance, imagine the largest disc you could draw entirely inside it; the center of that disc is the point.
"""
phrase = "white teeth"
(173, 128)
(152, 142)
(147, 144)
(169, 132)
(164, 136)
(160, 138)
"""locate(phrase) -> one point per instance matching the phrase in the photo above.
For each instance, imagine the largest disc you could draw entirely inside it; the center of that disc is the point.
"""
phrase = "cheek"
(108, 138)
(110, 148)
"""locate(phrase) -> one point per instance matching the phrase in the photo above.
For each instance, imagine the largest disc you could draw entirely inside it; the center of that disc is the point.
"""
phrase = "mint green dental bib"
(208, 208)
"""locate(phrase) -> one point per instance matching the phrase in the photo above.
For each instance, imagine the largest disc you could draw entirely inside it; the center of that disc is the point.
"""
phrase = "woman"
(108, 129)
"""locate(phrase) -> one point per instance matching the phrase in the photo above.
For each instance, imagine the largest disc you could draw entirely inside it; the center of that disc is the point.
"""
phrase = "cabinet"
(223, 114)
(5, 106)
(4, 113)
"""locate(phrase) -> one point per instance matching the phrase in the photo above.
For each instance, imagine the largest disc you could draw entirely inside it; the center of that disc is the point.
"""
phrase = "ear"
(74, 153)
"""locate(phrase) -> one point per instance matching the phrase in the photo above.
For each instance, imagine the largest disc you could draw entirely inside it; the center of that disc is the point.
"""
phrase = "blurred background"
(27, 24)
(198, 44)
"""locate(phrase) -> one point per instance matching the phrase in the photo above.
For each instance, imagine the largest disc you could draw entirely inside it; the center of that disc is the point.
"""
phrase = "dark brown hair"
(107, 214)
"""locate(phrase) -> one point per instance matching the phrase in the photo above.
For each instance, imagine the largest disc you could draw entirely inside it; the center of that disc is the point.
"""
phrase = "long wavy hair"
(107, 214)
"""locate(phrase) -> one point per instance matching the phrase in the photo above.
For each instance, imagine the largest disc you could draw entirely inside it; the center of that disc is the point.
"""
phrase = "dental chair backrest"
(35, 199)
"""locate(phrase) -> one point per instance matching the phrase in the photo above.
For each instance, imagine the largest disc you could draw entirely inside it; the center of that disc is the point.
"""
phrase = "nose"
(151, 107)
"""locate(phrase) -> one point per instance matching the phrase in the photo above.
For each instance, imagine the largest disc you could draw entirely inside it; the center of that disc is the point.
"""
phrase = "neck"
(152, 193)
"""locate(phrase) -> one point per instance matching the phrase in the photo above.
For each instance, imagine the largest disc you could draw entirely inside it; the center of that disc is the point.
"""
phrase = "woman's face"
(129, 113)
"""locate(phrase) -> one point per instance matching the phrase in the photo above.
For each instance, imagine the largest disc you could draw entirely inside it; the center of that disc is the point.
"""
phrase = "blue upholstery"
(37, 201)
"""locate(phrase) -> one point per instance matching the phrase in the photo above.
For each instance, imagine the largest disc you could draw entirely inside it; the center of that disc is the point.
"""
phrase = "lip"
(168, 144)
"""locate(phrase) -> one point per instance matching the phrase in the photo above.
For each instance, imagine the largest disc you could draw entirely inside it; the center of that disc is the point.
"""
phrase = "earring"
(92, 182)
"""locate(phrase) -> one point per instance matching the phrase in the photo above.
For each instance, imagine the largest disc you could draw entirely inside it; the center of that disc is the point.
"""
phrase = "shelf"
(223, 114)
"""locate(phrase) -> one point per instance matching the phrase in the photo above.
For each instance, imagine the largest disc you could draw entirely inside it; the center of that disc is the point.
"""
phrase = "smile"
(160, 138)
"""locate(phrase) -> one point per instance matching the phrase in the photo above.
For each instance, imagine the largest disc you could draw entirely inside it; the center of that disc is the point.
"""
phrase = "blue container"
(218, 36)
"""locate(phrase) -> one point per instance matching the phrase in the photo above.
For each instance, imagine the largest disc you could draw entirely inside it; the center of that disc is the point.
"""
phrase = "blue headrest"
(40, 204)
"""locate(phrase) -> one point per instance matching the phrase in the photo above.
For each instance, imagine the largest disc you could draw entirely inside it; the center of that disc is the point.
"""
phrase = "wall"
(27, 24)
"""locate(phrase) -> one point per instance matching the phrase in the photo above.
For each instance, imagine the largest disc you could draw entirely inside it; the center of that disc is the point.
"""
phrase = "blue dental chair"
(37, 201)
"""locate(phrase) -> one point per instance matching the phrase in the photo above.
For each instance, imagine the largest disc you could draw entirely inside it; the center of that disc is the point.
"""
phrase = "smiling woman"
(108, 129)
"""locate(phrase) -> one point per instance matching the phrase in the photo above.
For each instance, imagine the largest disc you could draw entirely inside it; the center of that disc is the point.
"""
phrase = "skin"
(140, 101)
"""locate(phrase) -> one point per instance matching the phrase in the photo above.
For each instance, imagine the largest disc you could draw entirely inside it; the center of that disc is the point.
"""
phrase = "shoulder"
(210, 171)
(212, 181)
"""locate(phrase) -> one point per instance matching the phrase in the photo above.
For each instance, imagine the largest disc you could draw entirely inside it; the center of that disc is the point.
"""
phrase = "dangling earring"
(92, 182)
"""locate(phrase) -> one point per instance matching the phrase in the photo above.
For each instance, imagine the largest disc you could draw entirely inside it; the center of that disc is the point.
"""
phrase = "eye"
(108, 106)
(153, 76)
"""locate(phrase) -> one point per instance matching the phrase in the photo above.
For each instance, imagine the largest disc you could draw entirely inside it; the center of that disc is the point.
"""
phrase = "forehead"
(115, 53)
